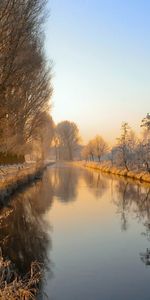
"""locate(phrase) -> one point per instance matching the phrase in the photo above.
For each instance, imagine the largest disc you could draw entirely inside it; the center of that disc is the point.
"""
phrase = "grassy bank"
(107, 168)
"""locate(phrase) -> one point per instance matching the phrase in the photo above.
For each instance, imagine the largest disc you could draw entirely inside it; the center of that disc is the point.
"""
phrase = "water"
(91, 232)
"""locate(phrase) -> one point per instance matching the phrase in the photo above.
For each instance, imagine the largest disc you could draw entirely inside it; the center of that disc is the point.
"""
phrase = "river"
(91, 231)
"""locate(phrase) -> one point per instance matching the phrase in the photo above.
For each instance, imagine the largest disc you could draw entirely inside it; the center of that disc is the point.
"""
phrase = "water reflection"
(129, 197)
(25, 233)
(145, 257)
(95, 181)
(65, 183)
(132, 199)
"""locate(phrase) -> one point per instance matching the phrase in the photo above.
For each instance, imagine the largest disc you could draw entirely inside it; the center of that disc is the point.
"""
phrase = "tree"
(25, 77)
(145, 145)
(125, 147)
(100, 147)
(85, 153)
(96, 147)
(43, 135)
(56, 144)
(68, 135)
(88, 151)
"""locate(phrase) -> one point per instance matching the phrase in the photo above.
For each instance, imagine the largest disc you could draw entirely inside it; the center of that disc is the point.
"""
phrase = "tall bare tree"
(68, 134)
(100, 147)
(25, 77)
(145, 145)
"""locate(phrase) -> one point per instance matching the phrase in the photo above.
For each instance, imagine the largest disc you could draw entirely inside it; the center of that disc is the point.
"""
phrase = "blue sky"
(101, 57)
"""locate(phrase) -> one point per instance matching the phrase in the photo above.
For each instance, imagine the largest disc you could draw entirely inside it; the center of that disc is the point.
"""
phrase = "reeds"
(15, 287)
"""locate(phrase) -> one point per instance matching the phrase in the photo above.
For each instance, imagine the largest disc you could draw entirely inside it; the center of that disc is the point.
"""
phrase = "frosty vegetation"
(130, 152)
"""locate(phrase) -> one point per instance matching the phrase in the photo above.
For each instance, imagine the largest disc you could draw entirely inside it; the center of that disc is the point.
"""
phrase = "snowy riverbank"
(14, 176)
(107, 168)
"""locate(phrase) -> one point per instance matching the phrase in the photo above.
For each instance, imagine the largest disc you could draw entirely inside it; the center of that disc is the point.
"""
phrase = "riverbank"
(15, 176)
(107, 168)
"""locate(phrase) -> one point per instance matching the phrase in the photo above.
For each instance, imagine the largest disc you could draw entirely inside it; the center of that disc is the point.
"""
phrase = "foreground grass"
(13, 286)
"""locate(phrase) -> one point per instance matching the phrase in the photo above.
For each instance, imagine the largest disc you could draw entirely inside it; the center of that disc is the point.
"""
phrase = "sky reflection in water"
(88, 229)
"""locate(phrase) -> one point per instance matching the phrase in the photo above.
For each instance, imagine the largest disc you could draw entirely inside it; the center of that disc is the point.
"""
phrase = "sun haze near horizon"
(101, 55)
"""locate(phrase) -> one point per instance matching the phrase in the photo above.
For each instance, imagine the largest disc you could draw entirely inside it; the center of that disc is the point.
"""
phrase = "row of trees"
(25, 79)
(130, 151)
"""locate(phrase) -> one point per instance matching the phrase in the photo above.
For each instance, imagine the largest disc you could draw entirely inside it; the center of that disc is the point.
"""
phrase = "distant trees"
(130, 152)
(25, 77)
(66, 140)
(88, 151)
(95, 149)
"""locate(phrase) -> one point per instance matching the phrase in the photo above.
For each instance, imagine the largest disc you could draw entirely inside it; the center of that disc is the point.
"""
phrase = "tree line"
(25, 80)
(130, 152)
(26, 126)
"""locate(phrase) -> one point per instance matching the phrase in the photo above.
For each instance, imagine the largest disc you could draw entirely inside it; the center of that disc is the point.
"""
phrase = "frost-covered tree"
(145, 143)
(125, 149)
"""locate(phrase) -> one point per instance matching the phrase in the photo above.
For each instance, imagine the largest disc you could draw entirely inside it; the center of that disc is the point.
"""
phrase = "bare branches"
(25, 77)
(96, 148)
(67, 137)
(130, 153)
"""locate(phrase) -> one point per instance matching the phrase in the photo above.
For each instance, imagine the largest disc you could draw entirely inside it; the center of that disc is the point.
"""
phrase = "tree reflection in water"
(65, 183)
(24, 234)
(129, 197)
(134, 199)
(123, 202)
(96, 182)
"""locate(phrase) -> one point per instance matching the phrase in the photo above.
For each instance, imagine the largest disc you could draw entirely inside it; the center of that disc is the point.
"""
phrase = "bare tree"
(88, 151)
(125, 147)
(145, 144)
(25, 77)
(100, 147)
(68, 134)
(85, 153)
(42, 135)
(96, 147)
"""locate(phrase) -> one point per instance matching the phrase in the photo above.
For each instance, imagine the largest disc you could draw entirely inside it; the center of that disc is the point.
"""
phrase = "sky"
(101, 63)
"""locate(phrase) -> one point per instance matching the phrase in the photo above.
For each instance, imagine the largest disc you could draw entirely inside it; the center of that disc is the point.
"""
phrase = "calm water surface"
(90, 230)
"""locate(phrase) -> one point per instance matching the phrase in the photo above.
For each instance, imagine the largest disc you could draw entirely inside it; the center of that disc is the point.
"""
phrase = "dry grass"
(107, 168)
(13, 287)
